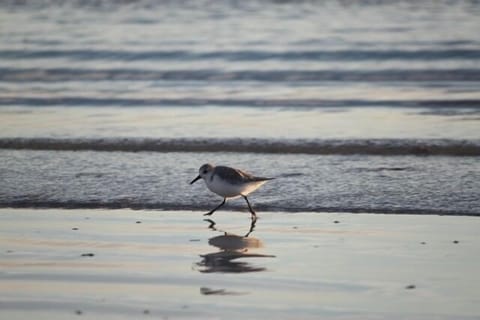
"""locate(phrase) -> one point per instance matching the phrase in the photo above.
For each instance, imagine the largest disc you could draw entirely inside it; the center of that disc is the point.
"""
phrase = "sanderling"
(229, 183)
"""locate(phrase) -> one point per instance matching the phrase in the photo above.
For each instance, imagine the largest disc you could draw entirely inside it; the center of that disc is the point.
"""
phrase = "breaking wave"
(383, 147)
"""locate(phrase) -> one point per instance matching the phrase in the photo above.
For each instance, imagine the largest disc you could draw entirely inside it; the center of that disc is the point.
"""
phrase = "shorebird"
(229, 183)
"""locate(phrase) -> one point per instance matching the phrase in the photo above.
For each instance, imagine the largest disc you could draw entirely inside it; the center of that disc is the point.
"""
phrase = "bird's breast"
(223, 188)
(231, 190)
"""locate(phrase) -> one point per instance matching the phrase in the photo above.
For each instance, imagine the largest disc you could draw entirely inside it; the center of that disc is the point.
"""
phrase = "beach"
(127, 264)
(365, 113)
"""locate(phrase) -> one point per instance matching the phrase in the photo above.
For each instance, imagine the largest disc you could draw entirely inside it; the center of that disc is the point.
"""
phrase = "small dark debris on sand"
(222, 292)
(194, 240)
(75, 228)
(138, 221)
(336, 221)
(146, 311)
(88, 254)
(423, 242)
(455, 241)
(78, 312)
(410, 287)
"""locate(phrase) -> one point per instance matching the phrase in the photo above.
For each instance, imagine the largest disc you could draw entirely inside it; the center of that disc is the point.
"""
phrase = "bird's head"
(204, 172)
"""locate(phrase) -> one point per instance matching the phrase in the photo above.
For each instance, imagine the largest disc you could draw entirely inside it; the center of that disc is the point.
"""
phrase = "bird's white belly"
(227, 190)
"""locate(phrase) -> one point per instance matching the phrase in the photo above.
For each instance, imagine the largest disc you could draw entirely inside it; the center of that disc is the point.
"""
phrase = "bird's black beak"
(193, 181)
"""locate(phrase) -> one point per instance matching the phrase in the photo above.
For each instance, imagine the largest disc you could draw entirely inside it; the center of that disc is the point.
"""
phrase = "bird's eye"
(205, 171)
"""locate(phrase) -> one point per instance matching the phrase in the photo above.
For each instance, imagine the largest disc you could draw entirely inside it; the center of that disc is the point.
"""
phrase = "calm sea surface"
(368, 106)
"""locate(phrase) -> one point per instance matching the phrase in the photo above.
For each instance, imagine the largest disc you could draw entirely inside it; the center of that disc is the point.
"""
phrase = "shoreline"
(118, 264)
(231, 208)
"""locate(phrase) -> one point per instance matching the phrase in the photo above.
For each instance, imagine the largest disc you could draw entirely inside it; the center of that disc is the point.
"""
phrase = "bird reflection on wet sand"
(232, 247)
(212, 225)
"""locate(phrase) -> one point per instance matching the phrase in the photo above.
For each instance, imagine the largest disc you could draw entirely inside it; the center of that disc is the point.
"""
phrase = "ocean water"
(368, 106)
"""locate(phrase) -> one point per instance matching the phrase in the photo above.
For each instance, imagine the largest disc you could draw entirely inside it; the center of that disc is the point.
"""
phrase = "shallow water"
(354, 183)
(268, 123)
(254, 53)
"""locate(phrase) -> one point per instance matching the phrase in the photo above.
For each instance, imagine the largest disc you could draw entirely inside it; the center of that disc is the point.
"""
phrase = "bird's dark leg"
(252, 226)
(254, 216)
(212, 224)
(216, 208)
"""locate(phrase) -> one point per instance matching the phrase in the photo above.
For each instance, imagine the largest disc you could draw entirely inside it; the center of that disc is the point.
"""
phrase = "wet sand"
(124, 264)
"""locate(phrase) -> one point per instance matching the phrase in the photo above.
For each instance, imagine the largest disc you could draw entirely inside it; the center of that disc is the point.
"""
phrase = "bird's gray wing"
(231, 175)
(236, 176)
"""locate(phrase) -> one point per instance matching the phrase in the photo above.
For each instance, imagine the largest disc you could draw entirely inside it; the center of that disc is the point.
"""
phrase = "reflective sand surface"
(115, 264)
